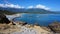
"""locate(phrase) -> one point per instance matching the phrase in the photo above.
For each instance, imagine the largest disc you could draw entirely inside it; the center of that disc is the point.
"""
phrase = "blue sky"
(53, 5)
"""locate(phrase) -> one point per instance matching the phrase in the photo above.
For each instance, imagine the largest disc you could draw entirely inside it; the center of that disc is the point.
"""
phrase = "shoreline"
(24, 27)
(11, 17)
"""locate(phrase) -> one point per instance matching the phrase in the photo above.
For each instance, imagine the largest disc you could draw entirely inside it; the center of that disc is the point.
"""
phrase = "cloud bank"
(10, 6)
(18, 6)
(39, 6)
(30, 7)
(42, 7)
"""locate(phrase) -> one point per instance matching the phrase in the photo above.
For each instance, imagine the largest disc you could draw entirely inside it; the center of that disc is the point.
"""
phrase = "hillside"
(33, 10)
(6, 12)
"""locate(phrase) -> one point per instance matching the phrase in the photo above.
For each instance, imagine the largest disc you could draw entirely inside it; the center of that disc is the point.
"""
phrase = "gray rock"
(55, 27)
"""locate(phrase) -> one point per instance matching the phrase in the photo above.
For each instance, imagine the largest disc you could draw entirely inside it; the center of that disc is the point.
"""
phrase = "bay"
(41, 19)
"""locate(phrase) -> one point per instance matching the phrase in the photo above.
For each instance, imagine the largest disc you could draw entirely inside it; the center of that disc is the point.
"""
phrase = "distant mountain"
(6, 12)
(36, 10)
(33, 10)
(12, 9)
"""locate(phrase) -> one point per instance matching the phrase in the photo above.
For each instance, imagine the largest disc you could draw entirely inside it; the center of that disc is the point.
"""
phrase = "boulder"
(55, 27)
(3, 19)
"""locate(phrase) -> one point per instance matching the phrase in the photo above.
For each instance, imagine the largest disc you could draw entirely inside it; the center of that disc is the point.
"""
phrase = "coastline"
(24, 28)
(11, 17)
(20, 27)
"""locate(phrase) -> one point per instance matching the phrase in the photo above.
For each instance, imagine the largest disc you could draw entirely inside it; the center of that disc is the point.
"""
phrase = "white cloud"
(10, 6)
(41, 7)
(1, 5)
(30, 7)
(18, 6)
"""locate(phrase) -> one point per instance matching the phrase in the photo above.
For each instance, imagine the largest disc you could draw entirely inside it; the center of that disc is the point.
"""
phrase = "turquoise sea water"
(41, 19)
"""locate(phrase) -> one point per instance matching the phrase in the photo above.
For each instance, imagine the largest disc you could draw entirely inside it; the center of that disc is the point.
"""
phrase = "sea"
(41, 19)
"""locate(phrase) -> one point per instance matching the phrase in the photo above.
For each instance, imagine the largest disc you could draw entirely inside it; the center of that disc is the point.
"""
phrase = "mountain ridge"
(32, 10)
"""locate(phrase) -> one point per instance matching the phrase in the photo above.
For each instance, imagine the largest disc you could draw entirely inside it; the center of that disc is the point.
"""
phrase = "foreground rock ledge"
(55, 27)
(3, 19)
(6, 29)
(19, 29)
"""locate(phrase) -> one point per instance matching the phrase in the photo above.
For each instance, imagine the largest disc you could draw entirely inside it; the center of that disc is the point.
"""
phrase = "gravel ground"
(26, 30)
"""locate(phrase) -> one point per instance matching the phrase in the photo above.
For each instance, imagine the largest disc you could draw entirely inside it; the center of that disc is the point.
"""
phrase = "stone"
(55, 27)
(4, 19)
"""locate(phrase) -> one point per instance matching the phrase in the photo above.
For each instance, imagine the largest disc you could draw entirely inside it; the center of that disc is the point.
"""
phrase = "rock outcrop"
(3, 19)
(55, 27)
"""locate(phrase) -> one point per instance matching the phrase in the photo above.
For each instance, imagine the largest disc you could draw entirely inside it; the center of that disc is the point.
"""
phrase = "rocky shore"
(21, 29)
(10, 27)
